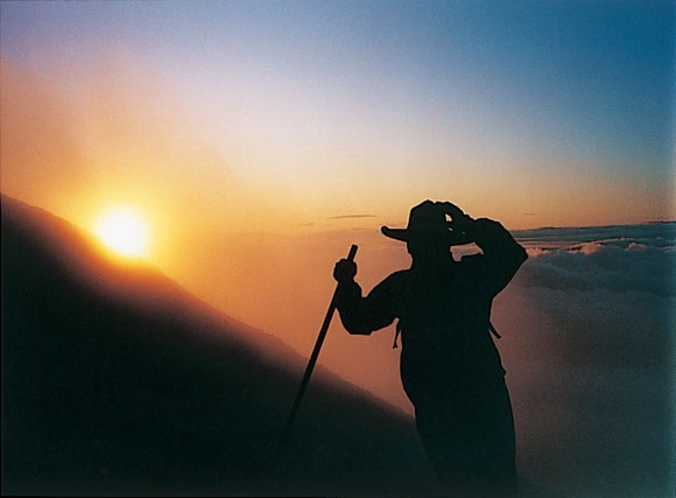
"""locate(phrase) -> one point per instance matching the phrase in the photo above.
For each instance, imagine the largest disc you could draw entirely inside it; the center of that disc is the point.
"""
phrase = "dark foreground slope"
(117, 381)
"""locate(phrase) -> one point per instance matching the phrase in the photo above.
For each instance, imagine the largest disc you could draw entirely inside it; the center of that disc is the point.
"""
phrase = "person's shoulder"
(399, 275)
(397, 278)
(393, 283)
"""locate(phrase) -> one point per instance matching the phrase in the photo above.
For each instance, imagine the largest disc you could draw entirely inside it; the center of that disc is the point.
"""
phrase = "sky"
(306, 119)
(258, 140)
(276, 116)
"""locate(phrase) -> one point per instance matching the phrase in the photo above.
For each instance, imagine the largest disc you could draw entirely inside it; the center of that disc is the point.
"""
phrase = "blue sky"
(341, 108)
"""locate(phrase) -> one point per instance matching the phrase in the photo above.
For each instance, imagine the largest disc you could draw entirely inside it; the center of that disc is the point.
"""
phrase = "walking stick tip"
(353, 252)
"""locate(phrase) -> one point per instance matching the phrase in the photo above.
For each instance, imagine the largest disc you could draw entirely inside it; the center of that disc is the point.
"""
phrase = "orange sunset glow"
(238, 149)
(124, 231)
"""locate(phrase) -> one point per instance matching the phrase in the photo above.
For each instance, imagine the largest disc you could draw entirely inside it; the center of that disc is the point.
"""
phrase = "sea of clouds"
(589, 322)
(636, 258)
(607, 286)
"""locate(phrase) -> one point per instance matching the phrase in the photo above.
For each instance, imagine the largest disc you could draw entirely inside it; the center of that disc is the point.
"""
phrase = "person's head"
(429, 234)
(434, 246)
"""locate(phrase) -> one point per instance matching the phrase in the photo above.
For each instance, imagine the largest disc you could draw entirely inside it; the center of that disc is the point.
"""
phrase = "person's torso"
(444, 322)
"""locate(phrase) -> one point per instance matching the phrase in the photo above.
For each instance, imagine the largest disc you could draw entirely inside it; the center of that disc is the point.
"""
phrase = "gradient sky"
(261, 139)
(311, 124)
(279, 114)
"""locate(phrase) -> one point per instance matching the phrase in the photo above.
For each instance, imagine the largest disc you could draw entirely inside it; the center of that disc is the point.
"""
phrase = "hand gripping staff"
(315, 354)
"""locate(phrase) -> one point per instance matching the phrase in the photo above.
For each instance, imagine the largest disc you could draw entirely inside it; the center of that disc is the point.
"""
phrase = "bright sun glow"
(124, 231)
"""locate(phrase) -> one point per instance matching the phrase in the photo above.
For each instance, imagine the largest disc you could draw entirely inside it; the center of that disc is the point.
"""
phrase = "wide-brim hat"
(427, 219)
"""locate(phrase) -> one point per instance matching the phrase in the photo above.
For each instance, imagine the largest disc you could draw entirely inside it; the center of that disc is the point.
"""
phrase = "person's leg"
(469, 440)
(494, 442)
(446, 445)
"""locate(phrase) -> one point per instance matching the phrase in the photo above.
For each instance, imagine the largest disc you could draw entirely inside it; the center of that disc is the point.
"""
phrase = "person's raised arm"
(502, 254)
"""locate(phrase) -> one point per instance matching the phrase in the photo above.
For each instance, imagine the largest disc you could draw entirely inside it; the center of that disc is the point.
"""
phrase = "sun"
(124, 231)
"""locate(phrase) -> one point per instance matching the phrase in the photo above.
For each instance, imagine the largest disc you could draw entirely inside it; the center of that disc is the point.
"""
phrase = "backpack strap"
(396, 334)
(493, 331)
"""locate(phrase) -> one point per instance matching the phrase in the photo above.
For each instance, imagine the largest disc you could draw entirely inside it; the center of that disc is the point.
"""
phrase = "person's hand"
(345, 271)
(459, 220)
(452, 210)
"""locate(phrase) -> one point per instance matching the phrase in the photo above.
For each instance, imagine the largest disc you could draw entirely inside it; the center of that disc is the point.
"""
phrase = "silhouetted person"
(450, 368)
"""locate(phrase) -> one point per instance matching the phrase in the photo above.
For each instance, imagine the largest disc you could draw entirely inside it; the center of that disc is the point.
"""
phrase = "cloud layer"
(588, 322)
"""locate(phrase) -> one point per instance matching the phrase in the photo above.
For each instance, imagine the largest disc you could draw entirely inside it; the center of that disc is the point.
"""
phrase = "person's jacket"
(443, 312)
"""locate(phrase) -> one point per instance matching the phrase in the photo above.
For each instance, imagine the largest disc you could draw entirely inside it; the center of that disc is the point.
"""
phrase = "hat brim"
(404, 235)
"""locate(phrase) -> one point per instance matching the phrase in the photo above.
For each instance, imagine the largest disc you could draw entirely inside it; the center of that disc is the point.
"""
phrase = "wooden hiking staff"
(314, 356)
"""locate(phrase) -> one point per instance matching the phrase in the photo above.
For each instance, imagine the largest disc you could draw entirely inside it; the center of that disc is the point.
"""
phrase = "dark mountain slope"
(117, 381)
